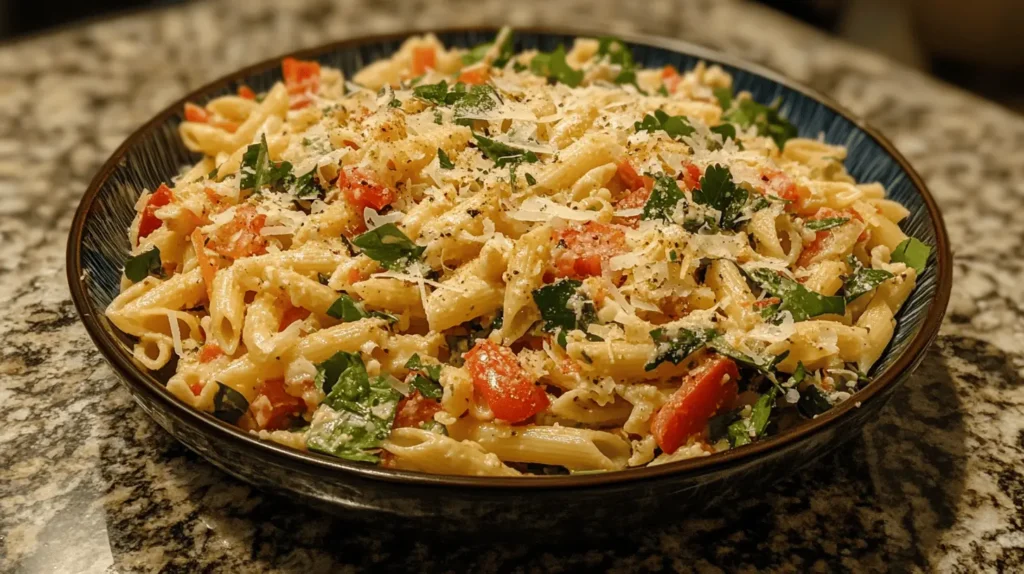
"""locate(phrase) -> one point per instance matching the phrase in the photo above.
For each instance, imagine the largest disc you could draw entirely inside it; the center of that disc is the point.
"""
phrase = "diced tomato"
(691, 176)
(273, 406)
(779, 184)
(240, 237)
(301, 77)
(150, 222)
(207, 266)
(582, 249)
(194, 113)
(474, 76)
(291, 315)
(705, 390)
(414, 410)
(670, 77)
(362, 192)
(631, 179)
(423, 58)
(822, 238)
(226, 125)
(196, 388)
(354, 275)
(503, 383)
(210, 352)
(246, 92)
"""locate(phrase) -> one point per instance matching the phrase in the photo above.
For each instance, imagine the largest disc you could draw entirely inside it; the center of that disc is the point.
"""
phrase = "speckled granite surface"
(88, 483)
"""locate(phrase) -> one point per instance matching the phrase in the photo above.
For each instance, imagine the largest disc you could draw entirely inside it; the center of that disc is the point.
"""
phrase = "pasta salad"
(484, 262)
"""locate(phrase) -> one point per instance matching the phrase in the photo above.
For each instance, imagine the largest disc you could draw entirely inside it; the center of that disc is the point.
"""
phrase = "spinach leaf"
(428, 378)
(554, 67)
(797, 299)
(812, 402)
(563, 308)
(799, 374)
(912, 252)
(674, 126)
(258, 171)
(389, 246)
(739, 435)
(862, 279)
(228, 404)
(675, 347)
(664, 196)
(140, 266)
(762, 410)
(329, 372)
(717, 190)
(503, 154)
(443, 160)
(827, 223)
(766, 119)
(766, 367)
(348, 309)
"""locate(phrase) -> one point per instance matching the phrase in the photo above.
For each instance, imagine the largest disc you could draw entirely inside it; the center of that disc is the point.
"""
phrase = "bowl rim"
(112, 349)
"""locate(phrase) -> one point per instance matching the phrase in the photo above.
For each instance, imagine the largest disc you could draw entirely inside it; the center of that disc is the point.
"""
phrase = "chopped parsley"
(675, 126)
(913, 253)
(554, 67)
(862, 279)
(427, 379)
(389, 246)
(717, 190)
(800, 301)
(258, 171)
(140, 266)
(746, 113)
(663, 199)
(563, 308)
(618, 53)
(675, 347)
(442, 159)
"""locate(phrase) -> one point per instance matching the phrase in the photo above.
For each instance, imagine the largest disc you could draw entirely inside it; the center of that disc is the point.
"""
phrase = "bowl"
(591, 504)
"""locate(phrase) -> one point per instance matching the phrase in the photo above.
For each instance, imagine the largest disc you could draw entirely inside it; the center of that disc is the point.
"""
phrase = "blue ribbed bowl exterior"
(98, 246)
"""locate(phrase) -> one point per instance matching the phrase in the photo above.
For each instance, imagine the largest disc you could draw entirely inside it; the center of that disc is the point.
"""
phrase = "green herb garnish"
(140, 266)
(563, 308)
(663, 199)
(389, 246)
(443, 160)
(718, 191)
(800, 301)
(913, 253)
(862, 279)
(554, 67)
(827, 223)
(675, 347)
(766, 119)
(228, 404)
(675, 126)
(258, 171)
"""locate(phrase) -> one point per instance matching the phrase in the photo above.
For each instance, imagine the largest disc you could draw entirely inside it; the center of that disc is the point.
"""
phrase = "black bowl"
(576, 505)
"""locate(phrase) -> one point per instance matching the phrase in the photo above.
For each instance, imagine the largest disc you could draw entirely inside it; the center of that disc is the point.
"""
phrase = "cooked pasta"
(493, 263)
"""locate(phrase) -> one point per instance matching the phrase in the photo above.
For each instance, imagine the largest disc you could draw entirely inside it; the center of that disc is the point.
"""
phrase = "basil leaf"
(718, 425)
(674, 126)
(554, 67)
(718, 191)
(663, 91)
(443, 160)
(724, 97)
(762, 410)
(797, 299)
(434, 93)
(363, 412)
(140, 266)
(228, 404)
(414, 363)
(812, 402)
(676, 347)
(346, 309)
(563, 308)
(767, 368)
(862, 279)
(766, 119)
(258, 171)
(913, 253)
(664, 196)
(478, 99)
(827, 223)
(330, 372)
(503, 154)
(389, 246)
(426, 387)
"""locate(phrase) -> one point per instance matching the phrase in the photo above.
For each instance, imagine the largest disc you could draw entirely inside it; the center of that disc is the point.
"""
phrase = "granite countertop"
(89, 483)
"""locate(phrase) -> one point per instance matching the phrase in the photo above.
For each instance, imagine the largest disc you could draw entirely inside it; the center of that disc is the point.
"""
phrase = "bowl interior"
(98, 248)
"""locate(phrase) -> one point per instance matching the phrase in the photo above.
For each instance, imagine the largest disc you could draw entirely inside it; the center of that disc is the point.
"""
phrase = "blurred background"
(976, 44)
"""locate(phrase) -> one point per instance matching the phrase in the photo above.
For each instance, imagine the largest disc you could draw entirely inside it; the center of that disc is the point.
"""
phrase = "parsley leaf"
(434, 93)
(443, 160)
(554, 67)
(563, 308)
(827, 223)
(228, 404)
(718, 191)
(364, 409)
(862, 279)
(257, 170)
(664, 196)
(389, 246)
(477, 100)
(503, 154)
(797, 299)
(766, 119)
(618, 53)
(306, 186)
(674, 126)
(140, 266)
(676, 347)
(912, 252)
(727, 131)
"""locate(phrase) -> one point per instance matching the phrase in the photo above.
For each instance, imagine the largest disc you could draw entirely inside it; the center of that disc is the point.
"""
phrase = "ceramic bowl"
(581, 504)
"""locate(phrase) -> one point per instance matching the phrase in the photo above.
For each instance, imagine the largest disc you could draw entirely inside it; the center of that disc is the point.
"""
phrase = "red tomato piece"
(246, 92)
(582, 249)
(691, 176)
(414, 410)
(301, 78)
(670, 77)
(196, 388)
(210, 352)
(779, 184)
(631, 179)
(474, 76)
(822, 238)
(503, 383)
(704, 391)
(362, 192)
(194, 113)
(423, 58)
(273, 406)
(240, 237)
(150, 222)
(292, 314)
